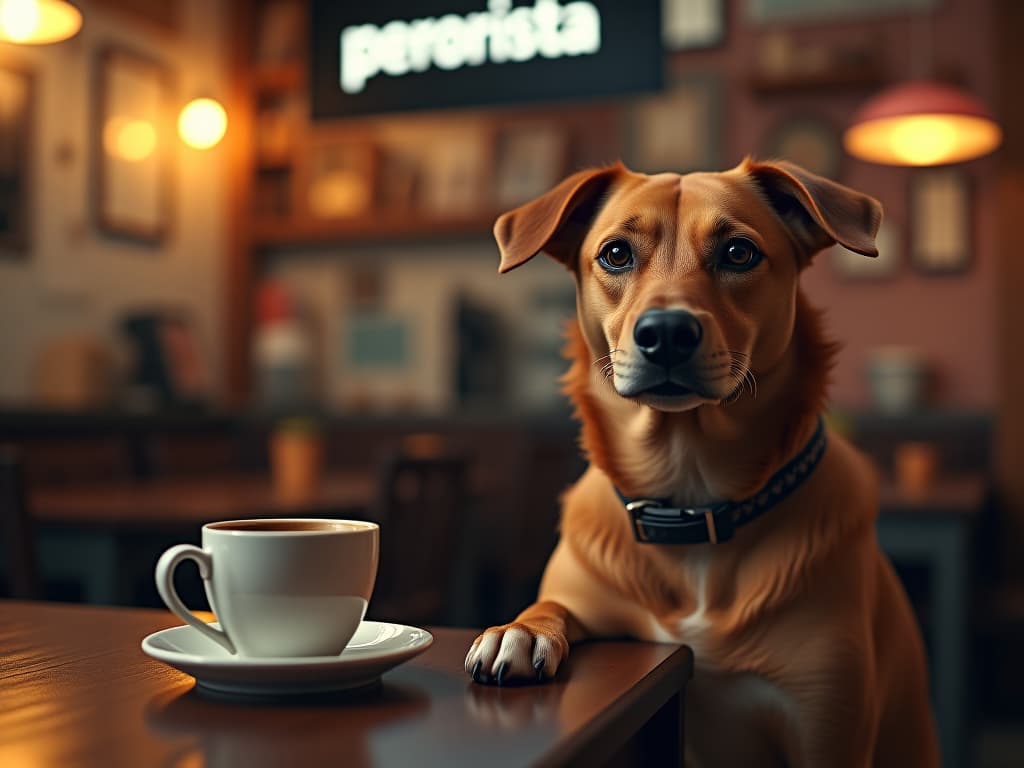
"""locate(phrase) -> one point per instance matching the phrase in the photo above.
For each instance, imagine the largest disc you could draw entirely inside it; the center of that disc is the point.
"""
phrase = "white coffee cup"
(279, 587)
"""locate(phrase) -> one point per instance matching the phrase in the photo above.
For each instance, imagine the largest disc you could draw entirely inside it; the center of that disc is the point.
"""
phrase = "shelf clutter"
(403, 175)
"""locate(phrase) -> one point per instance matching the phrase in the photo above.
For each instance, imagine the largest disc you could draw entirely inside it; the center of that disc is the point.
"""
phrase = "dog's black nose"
(667, 336)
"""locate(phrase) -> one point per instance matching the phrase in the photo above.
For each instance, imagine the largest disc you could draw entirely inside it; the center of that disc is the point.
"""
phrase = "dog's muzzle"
(667, 337)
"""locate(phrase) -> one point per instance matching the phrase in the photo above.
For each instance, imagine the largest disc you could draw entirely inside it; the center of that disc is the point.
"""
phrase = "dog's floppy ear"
(556, 221)
(819, 212)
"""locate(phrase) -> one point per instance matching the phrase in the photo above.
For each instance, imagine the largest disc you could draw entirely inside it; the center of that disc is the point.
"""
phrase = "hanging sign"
(399, 55)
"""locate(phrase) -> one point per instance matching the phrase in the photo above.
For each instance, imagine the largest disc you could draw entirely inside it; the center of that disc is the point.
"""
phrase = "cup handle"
(165, 586)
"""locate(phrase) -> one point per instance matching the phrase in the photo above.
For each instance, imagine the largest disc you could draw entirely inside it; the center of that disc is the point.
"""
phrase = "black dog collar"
(655, 522)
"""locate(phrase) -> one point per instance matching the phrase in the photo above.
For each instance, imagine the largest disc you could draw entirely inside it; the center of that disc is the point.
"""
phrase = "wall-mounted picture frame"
(16, 132)
(133, 145)
(688, 25)
(810, 141)
(529, 160)
(941, 217)
(848, 265)
(338, 177)
(679, 130)
(455, 180)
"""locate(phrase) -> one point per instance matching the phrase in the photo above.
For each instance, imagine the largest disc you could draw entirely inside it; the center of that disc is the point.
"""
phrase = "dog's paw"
(516, 652)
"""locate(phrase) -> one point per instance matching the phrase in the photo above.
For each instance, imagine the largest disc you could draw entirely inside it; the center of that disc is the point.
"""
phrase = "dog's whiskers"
(607, 358)
(742, 376)
(753, 383)
(607, 364)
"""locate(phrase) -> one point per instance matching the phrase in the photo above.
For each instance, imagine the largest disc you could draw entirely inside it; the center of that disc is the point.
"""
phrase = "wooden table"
(186, 502)
(76, 690)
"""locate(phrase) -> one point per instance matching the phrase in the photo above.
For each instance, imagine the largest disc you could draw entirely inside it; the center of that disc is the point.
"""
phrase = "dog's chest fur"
(722, 704)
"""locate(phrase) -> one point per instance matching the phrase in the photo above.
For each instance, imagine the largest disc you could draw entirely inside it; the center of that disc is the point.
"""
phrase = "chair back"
(19, 544)
(420, 510)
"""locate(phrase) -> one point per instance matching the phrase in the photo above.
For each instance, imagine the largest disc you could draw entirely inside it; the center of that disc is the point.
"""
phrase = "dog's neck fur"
(712, 452)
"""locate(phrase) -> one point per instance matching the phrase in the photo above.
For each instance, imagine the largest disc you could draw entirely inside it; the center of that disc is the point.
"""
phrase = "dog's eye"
(739, 255)
(616, 256)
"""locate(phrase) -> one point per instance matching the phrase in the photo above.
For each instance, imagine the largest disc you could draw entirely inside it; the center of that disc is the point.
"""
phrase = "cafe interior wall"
(77, 280)
(421, 284)
(74, 280)
(948, 318)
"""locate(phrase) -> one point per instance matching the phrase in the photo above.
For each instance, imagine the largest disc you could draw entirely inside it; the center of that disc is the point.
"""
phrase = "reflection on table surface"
(78, 690)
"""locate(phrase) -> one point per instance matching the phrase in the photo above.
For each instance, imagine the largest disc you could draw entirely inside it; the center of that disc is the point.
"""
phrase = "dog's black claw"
(502, 669)
(539, 666)
(476, 672)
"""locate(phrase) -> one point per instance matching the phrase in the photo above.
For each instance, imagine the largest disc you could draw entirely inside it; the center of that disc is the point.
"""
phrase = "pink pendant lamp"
(922, 122)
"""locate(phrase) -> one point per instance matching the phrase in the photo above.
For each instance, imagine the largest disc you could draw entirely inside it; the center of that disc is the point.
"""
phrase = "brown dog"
(699, 373)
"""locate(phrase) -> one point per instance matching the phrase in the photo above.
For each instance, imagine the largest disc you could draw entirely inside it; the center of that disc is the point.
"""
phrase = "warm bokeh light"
(131, 140)
(922, 122)
(38, 22)
(934, 139)
(202, 123)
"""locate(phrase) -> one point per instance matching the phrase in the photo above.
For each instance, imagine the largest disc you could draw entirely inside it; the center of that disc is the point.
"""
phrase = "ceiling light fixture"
(922, 122)
(38, 22)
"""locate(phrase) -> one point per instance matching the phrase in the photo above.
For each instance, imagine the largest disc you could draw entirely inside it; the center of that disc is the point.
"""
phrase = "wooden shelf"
(278, 153)
(380, 226)
(797, 84)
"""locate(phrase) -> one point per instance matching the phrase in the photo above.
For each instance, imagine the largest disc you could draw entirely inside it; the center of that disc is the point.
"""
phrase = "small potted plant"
(296, 459)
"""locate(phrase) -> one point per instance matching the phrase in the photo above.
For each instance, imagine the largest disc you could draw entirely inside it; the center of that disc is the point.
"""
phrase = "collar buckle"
(636, 510)
(657, 524)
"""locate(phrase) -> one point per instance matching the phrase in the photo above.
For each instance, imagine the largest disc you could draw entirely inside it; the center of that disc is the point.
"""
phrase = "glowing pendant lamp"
(38, 22)
(922, 122)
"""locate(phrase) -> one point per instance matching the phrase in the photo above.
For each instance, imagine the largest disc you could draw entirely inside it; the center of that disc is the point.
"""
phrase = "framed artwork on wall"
(454, 177)
(692, 24)
(855, 266)
(530, 159)
(133, 146)
(16, 130)
(940, 215)
(807, 140)
(679, 130)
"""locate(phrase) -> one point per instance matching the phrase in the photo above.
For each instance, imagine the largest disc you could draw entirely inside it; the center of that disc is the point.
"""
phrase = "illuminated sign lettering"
(382, 56)
(499, 34)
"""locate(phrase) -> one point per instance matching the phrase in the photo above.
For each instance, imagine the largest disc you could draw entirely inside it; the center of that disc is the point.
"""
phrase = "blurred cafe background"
(246, 269)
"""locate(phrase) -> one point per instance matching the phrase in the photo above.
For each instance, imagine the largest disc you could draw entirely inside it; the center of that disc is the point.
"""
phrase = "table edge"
(595, 737)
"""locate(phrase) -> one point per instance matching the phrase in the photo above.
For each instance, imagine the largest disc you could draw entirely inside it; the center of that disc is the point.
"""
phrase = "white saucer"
(375, 648)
